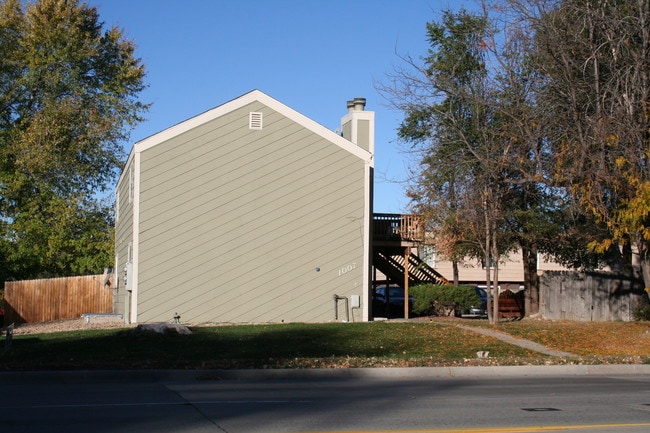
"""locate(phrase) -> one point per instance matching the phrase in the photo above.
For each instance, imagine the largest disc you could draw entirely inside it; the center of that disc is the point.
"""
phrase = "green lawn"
(374, 344)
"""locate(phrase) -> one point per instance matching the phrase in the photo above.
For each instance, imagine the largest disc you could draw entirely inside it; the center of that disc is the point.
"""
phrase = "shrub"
(642, 313)
(433, 299)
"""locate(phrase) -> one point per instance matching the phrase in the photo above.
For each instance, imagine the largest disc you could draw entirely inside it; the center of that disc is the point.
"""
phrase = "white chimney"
(358, 125)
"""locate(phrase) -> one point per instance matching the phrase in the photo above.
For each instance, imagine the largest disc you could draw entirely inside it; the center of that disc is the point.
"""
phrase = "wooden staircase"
(391, 262)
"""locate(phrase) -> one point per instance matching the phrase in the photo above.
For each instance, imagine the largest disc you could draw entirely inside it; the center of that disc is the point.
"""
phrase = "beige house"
(472, 271)
(247, 213)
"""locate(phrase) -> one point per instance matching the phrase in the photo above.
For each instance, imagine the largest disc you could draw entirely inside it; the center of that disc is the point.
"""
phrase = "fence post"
(9, 336)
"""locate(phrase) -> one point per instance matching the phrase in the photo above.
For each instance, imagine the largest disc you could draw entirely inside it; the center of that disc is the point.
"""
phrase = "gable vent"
(254, 120)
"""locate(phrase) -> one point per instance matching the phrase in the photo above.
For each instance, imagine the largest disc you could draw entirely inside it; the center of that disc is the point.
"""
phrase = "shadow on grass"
(252, 346)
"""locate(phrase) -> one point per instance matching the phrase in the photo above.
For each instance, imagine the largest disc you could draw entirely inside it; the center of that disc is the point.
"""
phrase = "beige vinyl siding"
(363, 134)
(471, 270)
(123, 236)
(346, 130)
(234, 223)
(511, 268)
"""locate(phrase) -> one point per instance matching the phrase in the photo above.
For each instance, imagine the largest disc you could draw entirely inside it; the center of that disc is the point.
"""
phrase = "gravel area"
(81, 324)
(66, 325)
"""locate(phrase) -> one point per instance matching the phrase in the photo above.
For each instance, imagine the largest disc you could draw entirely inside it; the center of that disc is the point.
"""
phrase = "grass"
(334, 345)
(590, 339)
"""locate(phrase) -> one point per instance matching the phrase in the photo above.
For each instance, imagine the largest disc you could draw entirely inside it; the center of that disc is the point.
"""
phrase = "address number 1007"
(345, 269)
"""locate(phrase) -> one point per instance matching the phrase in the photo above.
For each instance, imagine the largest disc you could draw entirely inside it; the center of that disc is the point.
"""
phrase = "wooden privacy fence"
(589, 296)
(43, 300)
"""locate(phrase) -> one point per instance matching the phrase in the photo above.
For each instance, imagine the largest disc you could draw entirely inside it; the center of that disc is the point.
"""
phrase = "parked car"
(478, 310)
(388, 301)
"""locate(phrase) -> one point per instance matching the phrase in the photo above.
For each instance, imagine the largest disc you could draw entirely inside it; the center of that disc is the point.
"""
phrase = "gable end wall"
(240, 225)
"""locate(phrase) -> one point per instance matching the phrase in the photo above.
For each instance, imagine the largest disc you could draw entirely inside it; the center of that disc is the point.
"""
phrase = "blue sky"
(310, 55)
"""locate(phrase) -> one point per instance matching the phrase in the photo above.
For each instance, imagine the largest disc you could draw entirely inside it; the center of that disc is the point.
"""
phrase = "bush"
(642, 313)
(433, 299)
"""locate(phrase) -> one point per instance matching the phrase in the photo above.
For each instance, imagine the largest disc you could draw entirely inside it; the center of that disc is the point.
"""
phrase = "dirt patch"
(66, 325)
(80, 325)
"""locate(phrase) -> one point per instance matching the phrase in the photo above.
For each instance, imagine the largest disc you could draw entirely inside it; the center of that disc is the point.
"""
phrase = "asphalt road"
(329, 403)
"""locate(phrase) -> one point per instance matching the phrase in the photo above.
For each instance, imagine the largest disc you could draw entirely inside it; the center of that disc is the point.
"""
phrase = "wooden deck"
(395, 238)
(397, 229)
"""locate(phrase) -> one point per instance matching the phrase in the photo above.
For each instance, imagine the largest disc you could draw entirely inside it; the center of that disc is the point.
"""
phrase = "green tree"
(486, 180)
(531, 202)
(460, 185)
(68, 99)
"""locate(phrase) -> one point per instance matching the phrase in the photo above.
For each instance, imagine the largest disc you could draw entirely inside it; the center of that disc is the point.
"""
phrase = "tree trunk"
(531, 279)
(486, 254)
(455, 272)
(488, 288)
(644, 260)
(495, 278)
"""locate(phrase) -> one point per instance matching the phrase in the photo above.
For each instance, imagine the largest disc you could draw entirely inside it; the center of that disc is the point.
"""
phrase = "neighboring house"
(247, 213)
(472, 271)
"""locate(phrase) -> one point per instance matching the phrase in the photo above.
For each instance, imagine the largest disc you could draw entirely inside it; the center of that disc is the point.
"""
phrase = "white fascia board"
(367, 243)
(255, 95)
(135, 259)
(124, 172)
(317, 128)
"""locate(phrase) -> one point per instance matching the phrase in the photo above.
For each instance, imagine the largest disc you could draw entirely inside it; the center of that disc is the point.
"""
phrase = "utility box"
(355, 300)
(128, 276)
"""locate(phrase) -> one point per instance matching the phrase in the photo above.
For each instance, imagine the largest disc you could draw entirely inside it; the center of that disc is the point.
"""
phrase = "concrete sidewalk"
(526, 344)
(396, 373)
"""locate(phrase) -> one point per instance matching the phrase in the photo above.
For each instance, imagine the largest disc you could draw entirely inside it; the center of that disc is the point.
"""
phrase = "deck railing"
(397, 227)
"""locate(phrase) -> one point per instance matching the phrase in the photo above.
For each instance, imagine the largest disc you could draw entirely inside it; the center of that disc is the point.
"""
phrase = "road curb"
(407, 373)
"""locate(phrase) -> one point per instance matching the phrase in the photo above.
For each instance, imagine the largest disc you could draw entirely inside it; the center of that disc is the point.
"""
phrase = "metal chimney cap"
(359, 103)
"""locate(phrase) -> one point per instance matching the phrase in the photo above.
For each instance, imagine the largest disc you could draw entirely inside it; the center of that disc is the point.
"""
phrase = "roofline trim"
(255, 95)
(234, 104)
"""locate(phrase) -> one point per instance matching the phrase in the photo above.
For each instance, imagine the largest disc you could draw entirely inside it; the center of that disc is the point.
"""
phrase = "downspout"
(368, 241)
(338, 298)
(369, 211)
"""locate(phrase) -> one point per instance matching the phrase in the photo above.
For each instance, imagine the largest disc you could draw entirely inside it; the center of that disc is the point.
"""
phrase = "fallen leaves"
(627, 339)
